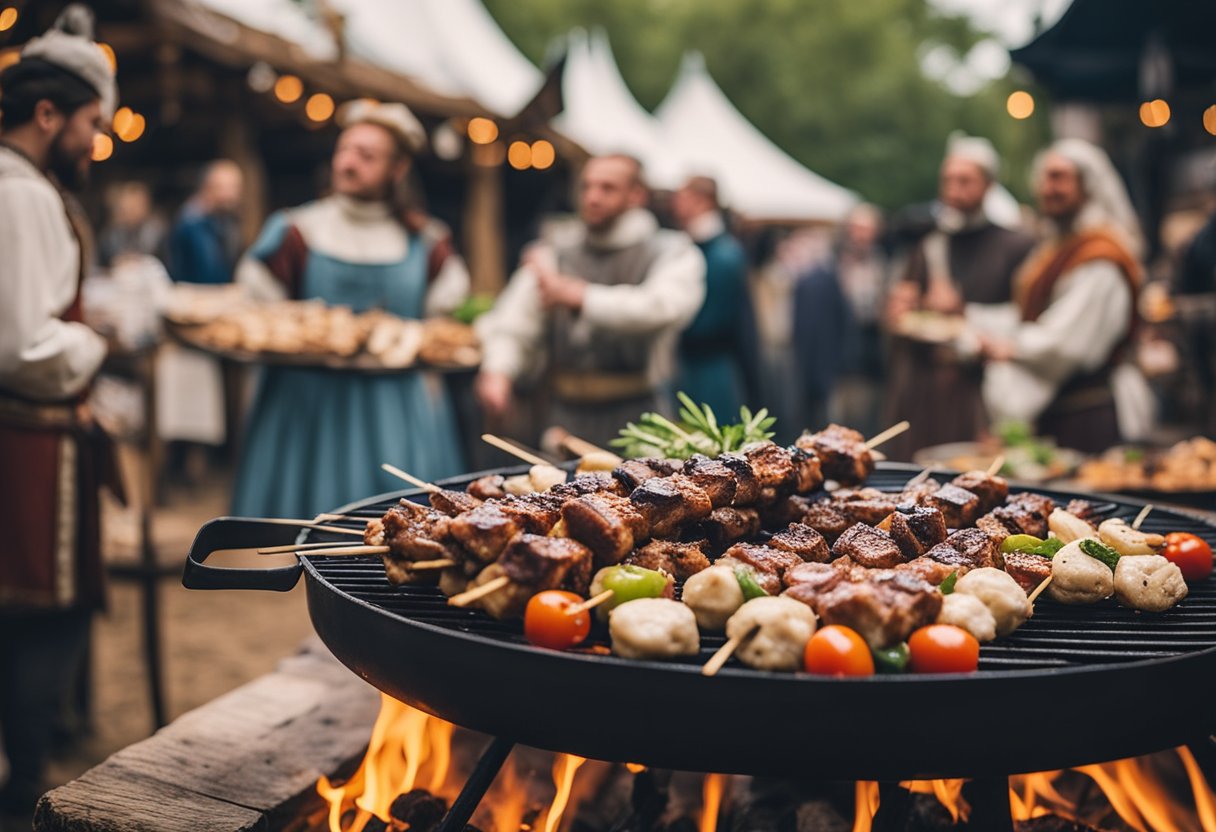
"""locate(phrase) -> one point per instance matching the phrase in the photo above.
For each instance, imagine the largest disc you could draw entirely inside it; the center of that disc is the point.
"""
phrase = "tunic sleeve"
(41, 356)
(279, 255)
(512, 331)
(448, 288)
(667, 298)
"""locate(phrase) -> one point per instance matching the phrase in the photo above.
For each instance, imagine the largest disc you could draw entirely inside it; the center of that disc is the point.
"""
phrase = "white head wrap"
(974, 149)
(69, 45)
(395, 118)
(1107, 204)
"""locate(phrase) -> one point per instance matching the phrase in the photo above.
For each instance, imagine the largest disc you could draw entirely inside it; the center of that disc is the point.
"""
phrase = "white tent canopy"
(452, 47)
(601, 114)
(757, 179)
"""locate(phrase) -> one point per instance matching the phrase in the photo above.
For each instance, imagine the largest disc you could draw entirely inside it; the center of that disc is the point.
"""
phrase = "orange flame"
(865, 805)
(564, 768)
(711, 800)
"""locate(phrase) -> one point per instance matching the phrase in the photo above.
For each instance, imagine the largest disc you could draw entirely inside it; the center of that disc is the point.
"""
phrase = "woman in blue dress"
(316, 437)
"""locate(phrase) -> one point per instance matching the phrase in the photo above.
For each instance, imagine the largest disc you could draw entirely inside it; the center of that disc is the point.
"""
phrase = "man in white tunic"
(1059, 358)
(602, 311)
(53, 102)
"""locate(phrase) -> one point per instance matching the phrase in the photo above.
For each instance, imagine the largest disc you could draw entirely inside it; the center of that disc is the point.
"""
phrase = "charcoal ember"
(418, 808)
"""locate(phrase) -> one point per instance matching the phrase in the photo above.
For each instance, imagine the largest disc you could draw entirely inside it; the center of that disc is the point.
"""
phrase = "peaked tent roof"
(758, 179)
(601, 114)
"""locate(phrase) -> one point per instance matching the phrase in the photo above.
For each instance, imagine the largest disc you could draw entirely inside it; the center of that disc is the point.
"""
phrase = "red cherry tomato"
(838, 651)
(1191, 553)
(547, 624)
(943, 648)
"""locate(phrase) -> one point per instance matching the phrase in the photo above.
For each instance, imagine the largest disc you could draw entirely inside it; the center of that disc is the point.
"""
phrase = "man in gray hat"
(53, 102)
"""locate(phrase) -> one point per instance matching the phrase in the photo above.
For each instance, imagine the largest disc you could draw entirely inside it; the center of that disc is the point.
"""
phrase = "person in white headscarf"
(1060, 360)
(967, 261)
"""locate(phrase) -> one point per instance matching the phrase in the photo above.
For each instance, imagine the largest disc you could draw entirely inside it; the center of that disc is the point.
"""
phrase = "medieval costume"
(608, 362)
(316, 437)
(1073, 321)
(930, 384)
(712, 349)
(51, 456)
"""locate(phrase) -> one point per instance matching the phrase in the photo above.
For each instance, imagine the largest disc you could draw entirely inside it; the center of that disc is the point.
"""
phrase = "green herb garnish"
(697, 432)
(947, 585)
(748, 584)
(1100, 551)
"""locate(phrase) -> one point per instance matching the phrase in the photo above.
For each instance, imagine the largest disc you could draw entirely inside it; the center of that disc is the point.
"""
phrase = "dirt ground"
(211, 642)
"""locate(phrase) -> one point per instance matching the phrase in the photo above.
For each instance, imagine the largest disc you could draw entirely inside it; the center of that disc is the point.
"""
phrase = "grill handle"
(239, 533)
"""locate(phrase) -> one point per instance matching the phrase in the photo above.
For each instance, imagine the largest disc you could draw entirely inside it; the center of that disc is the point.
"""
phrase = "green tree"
(836, 83)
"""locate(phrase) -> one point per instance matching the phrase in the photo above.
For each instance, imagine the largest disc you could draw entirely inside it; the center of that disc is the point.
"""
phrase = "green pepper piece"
(1100, 551)
(892, 659)
(628, 583)
(947, 585)
(748, 584)
(1032, 545)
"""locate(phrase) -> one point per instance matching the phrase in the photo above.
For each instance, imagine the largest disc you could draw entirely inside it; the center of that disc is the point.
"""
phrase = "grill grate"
(1057, 636)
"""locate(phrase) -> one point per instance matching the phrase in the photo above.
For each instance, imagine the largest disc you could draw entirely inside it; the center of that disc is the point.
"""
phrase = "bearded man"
(53, 103)
(601, 310)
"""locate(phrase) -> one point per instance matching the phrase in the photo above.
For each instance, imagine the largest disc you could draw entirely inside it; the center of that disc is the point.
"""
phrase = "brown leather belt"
(19, 413)
(596, 388)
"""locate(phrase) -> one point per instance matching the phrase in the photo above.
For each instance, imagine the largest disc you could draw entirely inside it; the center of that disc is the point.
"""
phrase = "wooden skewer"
(309, 524)
(591, 603)
(296, 547)
(426, 565)
(724, 653)
(324, 517)
(410, 478)
(582, 447)
(996, 466)
(1038, 590)
(889, 433)
(504, 445)
(1141, 517)
(919, 478)
(347, 550)
(479, 592)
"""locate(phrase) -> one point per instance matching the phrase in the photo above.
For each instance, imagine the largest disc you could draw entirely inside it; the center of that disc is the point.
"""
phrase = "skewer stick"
(996, 466)
(582, 447)
(296, 547)
(1140, 518)
(347, 550)
(504, 445)
(309, 524)
(919, 478)
(410, 478)
(1038, 590)
(426, 565)
(320, 518)
(591, 603)
(479, 592)
(724, 653)
(889, 433)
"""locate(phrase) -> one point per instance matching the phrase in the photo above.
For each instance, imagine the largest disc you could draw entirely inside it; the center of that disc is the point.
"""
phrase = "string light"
(122, 119)
(1020, 104)
(8, 19)
(261, 77)
(543, 154)
(519, 155)
(108, 51)
(1155, 113)
(1209, 119)
(103, 147)
(134, 130)
(9, 57)
(319, 107)
(482, 130)
(288, 89)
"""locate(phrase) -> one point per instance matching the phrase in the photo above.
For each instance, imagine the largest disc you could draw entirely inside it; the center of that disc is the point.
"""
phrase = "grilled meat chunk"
(786, 510)
(802, 541)
(824, 518)
(866, 505)
(1022, 514)
(884, 610)
(928, 570)
(485, 531)
(633, 472)
(917, 529)
(808, 471)
(728, 525)
(1083, 509)
(668, 503)
(818, 577)
(452, 503)
(959, 506)
(536, 513)
(747, 484)
(842, 453)
(607, 524)
(916, 494)
(714, 478)
(488, 487)
(991, 490)
(947, 555)
(542, 562)
(869, 547)
(991, 525)
(680, 560)
(597, 482)
(774, 469)
(1027, 569)
(977, 546)
(767, 565)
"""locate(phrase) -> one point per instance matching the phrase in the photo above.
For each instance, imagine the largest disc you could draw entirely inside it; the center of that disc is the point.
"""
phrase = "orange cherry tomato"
(547, 624)
(838, 651)
(1191, 553)
(943, 648)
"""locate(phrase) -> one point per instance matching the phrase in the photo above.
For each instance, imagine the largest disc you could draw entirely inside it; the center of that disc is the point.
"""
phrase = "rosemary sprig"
(698, 431)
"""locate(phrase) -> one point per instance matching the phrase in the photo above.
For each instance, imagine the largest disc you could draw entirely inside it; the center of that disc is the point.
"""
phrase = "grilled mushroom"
(1148, 582)
(713, 595)
(654, 628)
(779, 629)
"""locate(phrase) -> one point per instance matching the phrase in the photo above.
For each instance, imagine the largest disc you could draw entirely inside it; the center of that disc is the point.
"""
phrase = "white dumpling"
(653, 628)
(779, 627)
(970, 613)
(1001, 595)
(714, 595)
(1076, 578)
(1148, 582)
